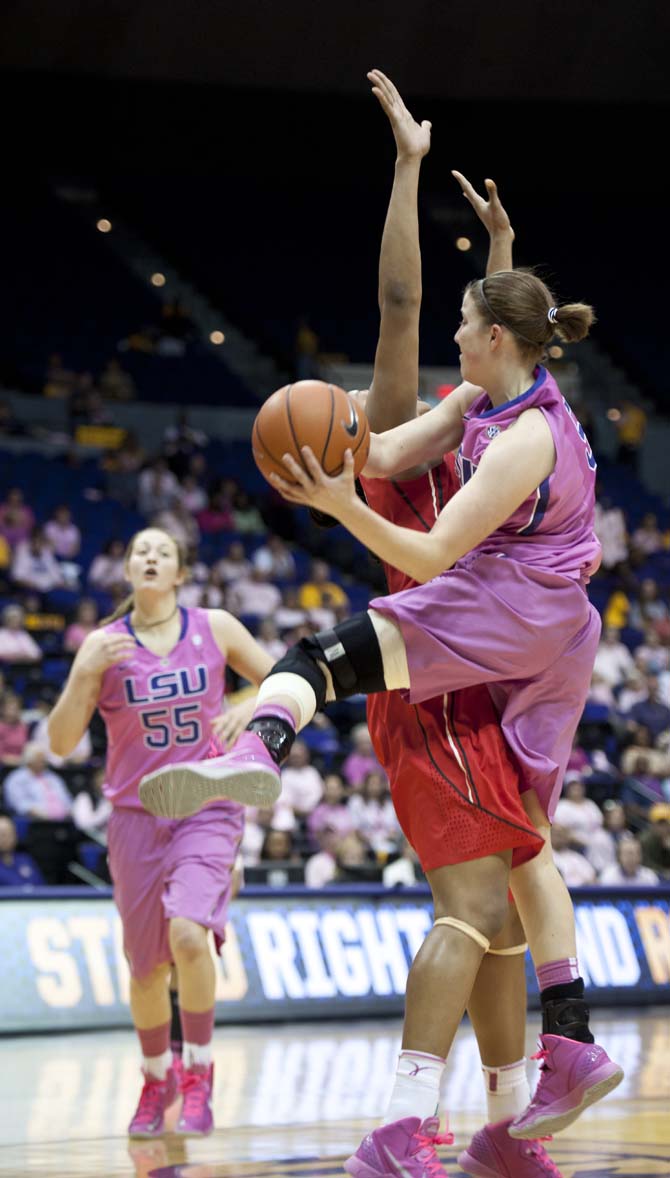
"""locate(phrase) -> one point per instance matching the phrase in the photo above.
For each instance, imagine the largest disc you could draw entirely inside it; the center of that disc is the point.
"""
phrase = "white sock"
(507, 1091)
(157, 1065)
(197, 1055)
(416, 1092)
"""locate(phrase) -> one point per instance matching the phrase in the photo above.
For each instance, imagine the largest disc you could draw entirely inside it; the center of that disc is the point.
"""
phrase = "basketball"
(309, 413)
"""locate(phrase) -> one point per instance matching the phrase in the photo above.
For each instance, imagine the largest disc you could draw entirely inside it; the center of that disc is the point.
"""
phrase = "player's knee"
(486, 912)
(160, 973)
(188, 940)
(350, 651)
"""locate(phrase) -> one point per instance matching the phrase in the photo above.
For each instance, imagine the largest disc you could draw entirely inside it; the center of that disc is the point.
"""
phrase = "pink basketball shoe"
(156, 1096)
(573, 1076)
(492, 1153)
(247, 774)
(196, 1114)
(403, 1149)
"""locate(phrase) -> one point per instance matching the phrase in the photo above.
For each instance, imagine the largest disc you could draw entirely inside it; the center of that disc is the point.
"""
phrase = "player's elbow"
(396, 295)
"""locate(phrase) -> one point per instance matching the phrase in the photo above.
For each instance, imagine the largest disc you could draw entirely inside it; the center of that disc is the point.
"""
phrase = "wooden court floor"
(294, 1101)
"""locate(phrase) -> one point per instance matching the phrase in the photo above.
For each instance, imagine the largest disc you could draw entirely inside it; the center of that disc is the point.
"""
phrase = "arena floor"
(294, 1101)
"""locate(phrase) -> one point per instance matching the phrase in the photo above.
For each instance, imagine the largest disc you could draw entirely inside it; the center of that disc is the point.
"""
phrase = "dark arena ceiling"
(578, 50)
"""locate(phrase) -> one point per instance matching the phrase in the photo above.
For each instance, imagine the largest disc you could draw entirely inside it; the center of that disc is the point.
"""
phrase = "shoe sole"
(193, 1132)
(146, 1135)
(178, 793)
(543, 1126)
(471, 1166)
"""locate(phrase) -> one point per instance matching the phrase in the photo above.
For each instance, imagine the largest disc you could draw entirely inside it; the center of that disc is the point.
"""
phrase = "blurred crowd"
(334, 821)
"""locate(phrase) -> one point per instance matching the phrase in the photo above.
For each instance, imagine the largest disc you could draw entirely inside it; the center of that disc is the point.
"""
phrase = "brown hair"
(521, 302)
(124, 607)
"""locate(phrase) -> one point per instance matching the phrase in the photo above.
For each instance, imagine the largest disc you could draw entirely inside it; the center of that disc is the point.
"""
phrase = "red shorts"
(454, 782)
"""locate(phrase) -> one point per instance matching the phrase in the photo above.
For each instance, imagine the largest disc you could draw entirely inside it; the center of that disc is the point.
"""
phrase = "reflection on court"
(295, 1100)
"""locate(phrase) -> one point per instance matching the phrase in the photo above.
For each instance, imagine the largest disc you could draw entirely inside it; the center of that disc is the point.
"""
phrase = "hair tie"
(552, 314)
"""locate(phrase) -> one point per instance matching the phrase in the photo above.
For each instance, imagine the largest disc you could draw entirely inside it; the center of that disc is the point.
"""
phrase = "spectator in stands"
(234, 566)
(268, 638)
(193, 592)
(278, 847)
(157, 488)
(217, 516)
(17, 520)
(657, 759)
(290, 613)
(35, 566)
(631, 426)
(13, 730)
(192, 495)
(602, 845)
(577, 813)
(373, 815)
(355, 861)
(632, 691)
(115, 383)
(86, 620)
(311, 594)
(17, 869)
(321, 868)
(650, 610)
(578, 762)
(302, 784)
(655, 841)
(180, 442)
(35, 790)
(617, 610)
(247, 519)
(332, 811)
(107, 571)
(5, 561)
(16, 644)
(610, 528)
(648, 539)
(253, 595)
(361, 760)
(628, 870)
(179, 522)
(63, 534)
(652, 657)
(122, 470)
(405, 870)
(275, 559)
(58, 380)
(91, 811)
(575, 869)
(613, 662)
(306, 351)
(651, 712)
(39, 736)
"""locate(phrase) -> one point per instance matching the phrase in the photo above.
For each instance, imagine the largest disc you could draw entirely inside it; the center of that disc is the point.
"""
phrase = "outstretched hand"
(412, 139)
(490, 212)
(314, 488)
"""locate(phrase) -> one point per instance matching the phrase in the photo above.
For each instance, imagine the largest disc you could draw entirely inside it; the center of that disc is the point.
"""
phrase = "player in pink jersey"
(155, 672)
(500, 600)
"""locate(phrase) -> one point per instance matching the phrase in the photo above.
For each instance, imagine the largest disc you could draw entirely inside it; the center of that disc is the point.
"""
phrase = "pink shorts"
(162, 869)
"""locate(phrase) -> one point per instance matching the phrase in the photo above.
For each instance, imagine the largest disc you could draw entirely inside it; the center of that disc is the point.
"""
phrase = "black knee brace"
(351, 652)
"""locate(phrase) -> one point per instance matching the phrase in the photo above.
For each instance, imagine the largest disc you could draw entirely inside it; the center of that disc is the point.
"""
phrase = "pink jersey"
(553, 529)
(158, 710)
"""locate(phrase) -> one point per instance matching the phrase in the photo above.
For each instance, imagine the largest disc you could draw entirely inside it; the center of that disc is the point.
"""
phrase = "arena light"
(556, 351)
(216, 337)
(103, 225)
(463, 244)
(613, 415)
(158, 279)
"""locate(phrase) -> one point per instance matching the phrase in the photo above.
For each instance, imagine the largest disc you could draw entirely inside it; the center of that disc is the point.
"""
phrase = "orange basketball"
(309, 413)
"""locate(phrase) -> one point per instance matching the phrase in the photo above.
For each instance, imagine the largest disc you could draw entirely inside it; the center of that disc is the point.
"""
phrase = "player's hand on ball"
(412, 138)
(314, 488)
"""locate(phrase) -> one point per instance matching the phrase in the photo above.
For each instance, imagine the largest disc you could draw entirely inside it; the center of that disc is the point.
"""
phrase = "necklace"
(161, 622)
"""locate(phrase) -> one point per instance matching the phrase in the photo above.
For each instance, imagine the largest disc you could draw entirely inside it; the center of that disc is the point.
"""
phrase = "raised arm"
(494, 219)
(392, 398)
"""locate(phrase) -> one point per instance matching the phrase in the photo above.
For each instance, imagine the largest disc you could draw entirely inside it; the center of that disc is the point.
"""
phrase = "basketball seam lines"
(330, 427)
(267, 449)
(340, 468)
(295, 436)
